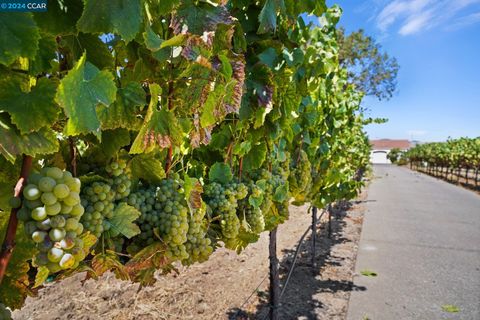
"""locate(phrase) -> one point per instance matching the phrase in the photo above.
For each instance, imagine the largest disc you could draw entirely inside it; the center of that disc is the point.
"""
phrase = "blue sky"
(437, 44)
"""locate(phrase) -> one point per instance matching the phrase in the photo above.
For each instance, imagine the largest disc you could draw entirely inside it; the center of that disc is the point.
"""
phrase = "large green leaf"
(61, 17)
(268, 15)
(18, 37)
(32, 110)
(97, 51)
(122, 220)
(123, 113)
(220, 172)
(113, 140)
(13, 143)
(123, 17)
(148, 168)
(203, 17)
(255, 158)
(42, 62)
(80, 92)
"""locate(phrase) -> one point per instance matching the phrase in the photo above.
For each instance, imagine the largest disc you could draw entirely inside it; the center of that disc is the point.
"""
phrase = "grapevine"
(182, 141)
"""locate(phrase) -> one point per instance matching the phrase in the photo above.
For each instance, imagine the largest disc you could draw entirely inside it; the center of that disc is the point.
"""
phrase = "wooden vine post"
(274, 276)
(314, 239)
(9, 241)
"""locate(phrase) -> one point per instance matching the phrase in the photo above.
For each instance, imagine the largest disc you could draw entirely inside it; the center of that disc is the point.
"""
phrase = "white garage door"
(379, 157)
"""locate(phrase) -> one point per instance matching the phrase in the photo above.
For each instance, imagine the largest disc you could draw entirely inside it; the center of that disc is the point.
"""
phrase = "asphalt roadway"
(421, 236)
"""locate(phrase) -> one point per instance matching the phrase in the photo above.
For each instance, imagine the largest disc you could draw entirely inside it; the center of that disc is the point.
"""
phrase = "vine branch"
(9, 241)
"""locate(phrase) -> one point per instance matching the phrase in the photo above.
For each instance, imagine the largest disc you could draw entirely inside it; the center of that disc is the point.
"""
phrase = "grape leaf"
(32, 110)
(97, 51)
(268, 15)
(281, 193)
(193, 190)
(13, 144)
(47, 47)
(147, 167)
(255, 158)
(80, 92)
(123, 113)
(19, 36)
(118, 16)
(108, 261)
(160, 128)
(41, 276)
(122, 220)
(60, 18)
(113, 140)
(202, 17)
(143, 265)
(220, 172)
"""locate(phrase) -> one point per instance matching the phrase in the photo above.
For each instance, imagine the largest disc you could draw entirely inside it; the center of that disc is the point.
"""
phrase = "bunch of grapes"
(51, 211)
(97, 199)
(163, 210)
(273, 180)
(252, 214)
(198, 245)
(300, 179)
(223, 200)
(120, 180)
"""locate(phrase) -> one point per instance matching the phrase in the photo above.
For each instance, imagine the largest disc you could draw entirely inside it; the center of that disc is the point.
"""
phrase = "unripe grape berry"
(53, 209)
(57, 221)
(39, 236)
(15, 202)
(23, 214)
(31, 192)
(55, 254)
(44, 225)
(54, 173)
(61, 191)
(46, 184)
(66, 209)
(67, 261)
(71, 224)
(39, 214)
(56, 234)
(34, 178)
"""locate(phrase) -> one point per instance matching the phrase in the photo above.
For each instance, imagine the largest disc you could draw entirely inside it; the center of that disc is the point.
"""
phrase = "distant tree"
(394, 155)
(372, 71)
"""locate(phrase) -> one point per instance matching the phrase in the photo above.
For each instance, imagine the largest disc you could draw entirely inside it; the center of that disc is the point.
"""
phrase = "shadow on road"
(298, 301)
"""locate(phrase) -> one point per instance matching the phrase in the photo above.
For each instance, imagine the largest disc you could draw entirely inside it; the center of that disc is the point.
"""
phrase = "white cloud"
(413, 16)
(464, 21)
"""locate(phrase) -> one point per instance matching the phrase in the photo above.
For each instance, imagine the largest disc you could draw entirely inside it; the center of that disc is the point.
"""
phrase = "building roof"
(388, 144)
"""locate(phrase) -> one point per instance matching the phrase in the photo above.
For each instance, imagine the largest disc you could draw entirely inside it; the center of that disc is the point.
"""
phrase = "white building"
(381, 148)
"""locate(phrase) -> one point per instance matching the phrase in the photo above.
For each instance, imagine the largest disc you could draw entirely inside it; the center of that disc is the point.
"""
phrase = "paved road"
(422, 237)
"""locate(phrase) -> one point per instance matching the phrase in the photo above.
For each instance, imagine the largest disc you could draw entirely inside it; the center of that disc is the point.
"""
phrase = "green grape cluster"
(273, 180)
(300, 179)
(223, 200)
(98, 200)
(253, 214)
(52, 211)
(198, 245)
(163, 211)
(120, 180)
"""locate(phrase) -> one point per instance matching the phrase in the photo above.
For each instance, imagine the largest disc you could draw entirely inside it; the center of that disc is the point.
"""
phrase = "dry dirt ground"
(219, 288)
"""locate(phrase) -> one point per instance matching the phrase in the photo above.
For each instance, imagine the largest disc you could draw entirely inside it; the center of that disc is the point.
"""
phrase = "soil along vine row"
(190, 126)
